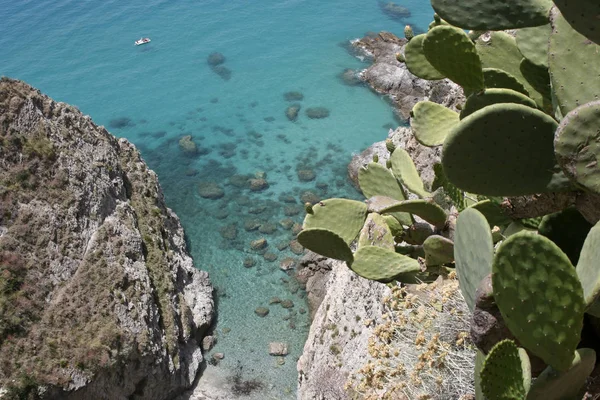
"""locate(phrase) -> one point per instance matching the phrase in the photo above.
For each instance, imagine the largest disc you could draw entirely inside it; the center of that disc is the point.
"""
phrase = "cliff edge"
(98, 295)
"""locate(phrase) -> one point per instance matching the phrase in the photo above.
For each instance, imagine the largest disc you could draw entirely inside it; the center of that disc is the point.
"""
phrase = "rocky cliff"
(99, 298)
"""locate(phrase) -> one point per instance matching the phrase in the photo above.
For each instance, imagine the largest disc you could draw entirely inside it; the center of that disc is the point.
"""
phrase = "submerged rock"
(215, 59)
(317, 112)
(121, 122)
(394, 11)
(259, 244)
(293, 96)
(262, 311)
(249, 262)
(350, 77)
(98, 232)
(224, 72)
(188, 146)
(278, 349)
(287, 264)
(292, 112)
(306, 175)
(257, 185)
(210, 190)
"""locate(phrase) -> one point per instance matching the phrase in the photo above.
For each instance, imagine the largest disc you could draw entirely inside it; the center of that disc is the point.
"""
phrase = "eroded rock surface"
(99, 299)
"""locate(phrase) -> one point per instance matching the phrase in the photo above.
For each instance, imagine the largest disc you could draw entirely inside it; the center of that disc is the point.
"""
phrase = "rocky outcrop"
(424, 157)
(337, 343)
(389, 76)
(99, 298)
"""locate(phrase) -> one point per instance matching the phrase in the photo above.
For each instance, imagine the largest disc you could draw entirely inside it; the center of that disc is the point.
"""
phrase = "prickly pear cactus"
(378, 264)
(539, 296)
(408, 33)
(571, 239)
(417, 63)
(503, 150)
(342, 216)
(404, 169)
(588, 271)
(493, 14)
(426, 209)
(496, 78)
(438, 250)
(582, 16)
(492, 211)
(477, 101)
(556, 385)
(533, 44)
(573, 63)
(376, 232)
(502, 375)
(432, 122)
(451, 52)
(473, 252)
(577, 145)
(326, 243)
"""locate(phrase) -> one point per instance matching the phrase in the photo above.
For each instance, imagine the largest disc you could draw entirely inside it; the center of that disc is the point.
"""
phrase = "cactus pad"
(417, 63)
(588, 271)
(502, 375)
(395, 225)
(495, 78)
(432, 122)
(376, 180)
(492, 212)
(451, 52)
(376, 232)
(501, 51)
(583, 16)
(502, 150)
(426, 209)
(456, 195)
(438, 250)
(404, 169)
(473, 252)
(493, 14)
(382, 265)
(577, 145)
(477, 101)
(555, 385)
(573, 63)
(342, 216)
(326, 243)
(539, 296)
(533, 44)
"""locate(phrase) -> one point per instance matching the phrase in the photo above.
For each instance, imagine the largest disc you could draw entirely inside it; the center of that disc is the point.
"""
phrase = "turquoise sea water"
(82, 52)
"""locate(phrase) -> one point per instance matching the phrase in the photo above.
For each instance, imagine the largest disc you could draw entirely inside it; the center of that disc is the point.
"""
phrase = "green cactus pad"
(417, 63)
(533, 44)
(451, 52)
(539, 296)
(473, 252)
(438, 250)
(326, 243)
(567, 229)
(456, 195)
(395, 225)
(577, 145)
(556, 385)
(502, 150)
(502, 375)
(492, 212)
(496, 78)
(376, 232)
(493, 14)
(432, 122)
(382, 265)
(539, 79)
(342, 216)
(479, 360)
(588, 271)
(501, 51)
(477, 101)
(582, 15)
(405, 170)
(525, 368)
(573, 63)
(426, 209)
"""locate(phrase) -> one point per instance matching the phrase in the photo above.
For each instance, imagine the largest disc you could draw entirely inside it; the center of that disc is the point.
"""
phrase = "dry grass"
(421, 349)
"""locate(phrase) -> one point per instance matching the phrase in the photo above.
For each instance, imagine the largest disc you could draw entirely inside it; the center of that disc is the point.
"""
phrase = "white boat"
(142, 41)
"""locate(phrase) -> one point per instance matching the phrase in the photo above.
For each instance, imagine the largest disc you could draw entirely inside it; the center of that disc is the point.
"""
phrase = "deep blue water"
(82, 52)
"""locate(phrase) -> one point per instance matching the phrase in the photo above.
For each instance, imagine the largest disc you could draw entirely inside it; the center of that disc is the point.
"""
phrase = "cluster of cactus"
(379, 224)
(530, 124)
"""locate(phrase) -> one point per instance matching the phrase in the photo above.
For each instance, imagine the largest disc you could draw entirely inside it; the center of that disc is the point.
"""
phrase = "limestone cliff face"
(98, 295)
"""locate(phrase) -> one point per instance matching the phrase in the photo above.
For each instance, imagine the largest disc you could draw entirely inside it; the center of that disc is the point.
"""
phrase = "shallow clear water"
(83, 53)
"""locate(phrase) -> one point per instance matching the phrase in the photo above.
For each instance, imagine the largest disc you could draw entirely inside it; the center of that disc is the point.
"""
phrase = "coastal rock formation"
(99, 298)
(337, 343)
(389, 76)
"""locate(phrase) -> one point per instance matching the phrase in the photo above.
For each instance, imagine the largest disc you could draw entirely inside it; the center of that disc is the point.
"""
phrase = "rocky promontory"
(99, 298)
